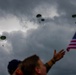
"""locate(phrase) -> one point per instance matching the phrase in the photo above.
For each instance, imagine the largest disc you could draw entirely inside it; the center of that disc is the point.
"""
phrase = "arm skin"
(56, 57)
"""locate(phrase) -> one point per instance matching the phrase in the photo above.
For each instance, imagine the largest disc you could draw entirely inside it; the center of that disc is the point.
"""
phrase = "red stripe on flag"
(72, 44)
(73, 41)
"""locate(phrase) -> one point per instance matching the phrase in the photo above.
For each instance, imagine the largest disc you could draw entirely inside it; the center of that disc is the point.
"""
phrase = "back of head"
(12, 65)
(29, 64)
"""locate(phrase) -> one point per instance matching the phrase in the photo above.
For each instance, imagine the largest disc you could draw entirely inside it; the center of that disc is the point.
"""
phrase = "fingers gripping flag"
(72, 44)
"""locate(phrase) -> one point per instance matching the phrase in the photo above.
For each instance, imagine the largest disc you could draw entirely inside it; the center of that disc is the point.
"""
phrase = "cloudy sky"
(26, 34)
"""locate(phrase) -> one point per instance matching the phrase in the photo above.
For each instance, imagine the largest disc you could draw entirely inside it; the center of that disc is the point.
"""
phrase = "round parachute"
(3, 37)
(38, 15)
(74, 15)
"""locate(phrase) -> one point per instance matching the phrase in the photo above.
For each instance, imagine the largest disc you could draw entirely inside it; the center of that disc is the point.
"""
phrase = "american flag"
(72, 44)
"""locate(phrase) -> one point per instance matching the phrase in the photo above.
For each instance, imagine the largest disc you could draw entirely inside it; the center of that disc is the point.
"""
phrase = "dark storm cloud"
(21, 8)
(18, 7)
(68, 9)
(42, 42)
(55, 34)
(21, 47)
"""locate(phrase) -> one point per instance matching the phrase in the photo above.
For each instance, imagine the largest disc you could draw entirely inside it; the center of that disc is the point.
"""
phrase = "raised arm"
(56, 57)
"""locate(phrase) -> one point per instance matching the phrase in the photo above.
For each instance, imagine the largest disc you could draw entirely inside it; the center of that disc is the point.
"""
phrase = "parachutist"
(42, 19)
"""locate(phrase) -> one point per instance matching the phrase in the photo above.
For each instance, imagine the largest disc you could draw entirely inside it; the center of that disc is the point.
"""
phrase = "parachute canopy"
(38, 15)
(74, 15)
(3, 37)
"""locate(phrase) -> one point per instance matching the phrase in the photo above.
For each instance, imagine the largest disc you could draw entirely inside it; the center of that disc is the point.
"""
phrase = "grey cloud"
(18, 7)
(22, 8)
(42, 42)
(68, 8)
(55, 34)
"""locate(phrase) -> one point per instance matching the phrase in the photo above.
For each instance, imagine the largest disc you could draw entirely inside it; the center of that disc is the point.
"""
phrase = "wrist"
(53, 60)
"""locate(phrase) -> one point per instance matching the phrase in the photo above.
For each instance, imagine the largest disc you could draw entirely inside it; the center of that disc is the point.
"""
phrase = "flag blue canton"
(74, 37)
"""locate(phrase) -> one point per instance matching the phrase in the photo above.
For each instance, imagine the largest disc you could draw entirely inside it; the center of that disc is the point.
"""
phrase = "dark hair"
(29, 64)
(12, 65)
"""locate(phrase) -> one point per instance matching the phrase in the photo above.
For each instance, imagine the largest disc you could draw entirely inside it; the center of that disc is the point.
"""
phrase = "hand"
(59, 55)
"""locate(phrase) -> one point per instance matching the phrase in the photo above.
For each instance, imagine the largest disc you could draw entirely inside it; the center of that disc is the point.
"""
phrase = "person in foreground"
(13, 64)
(34, 66)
